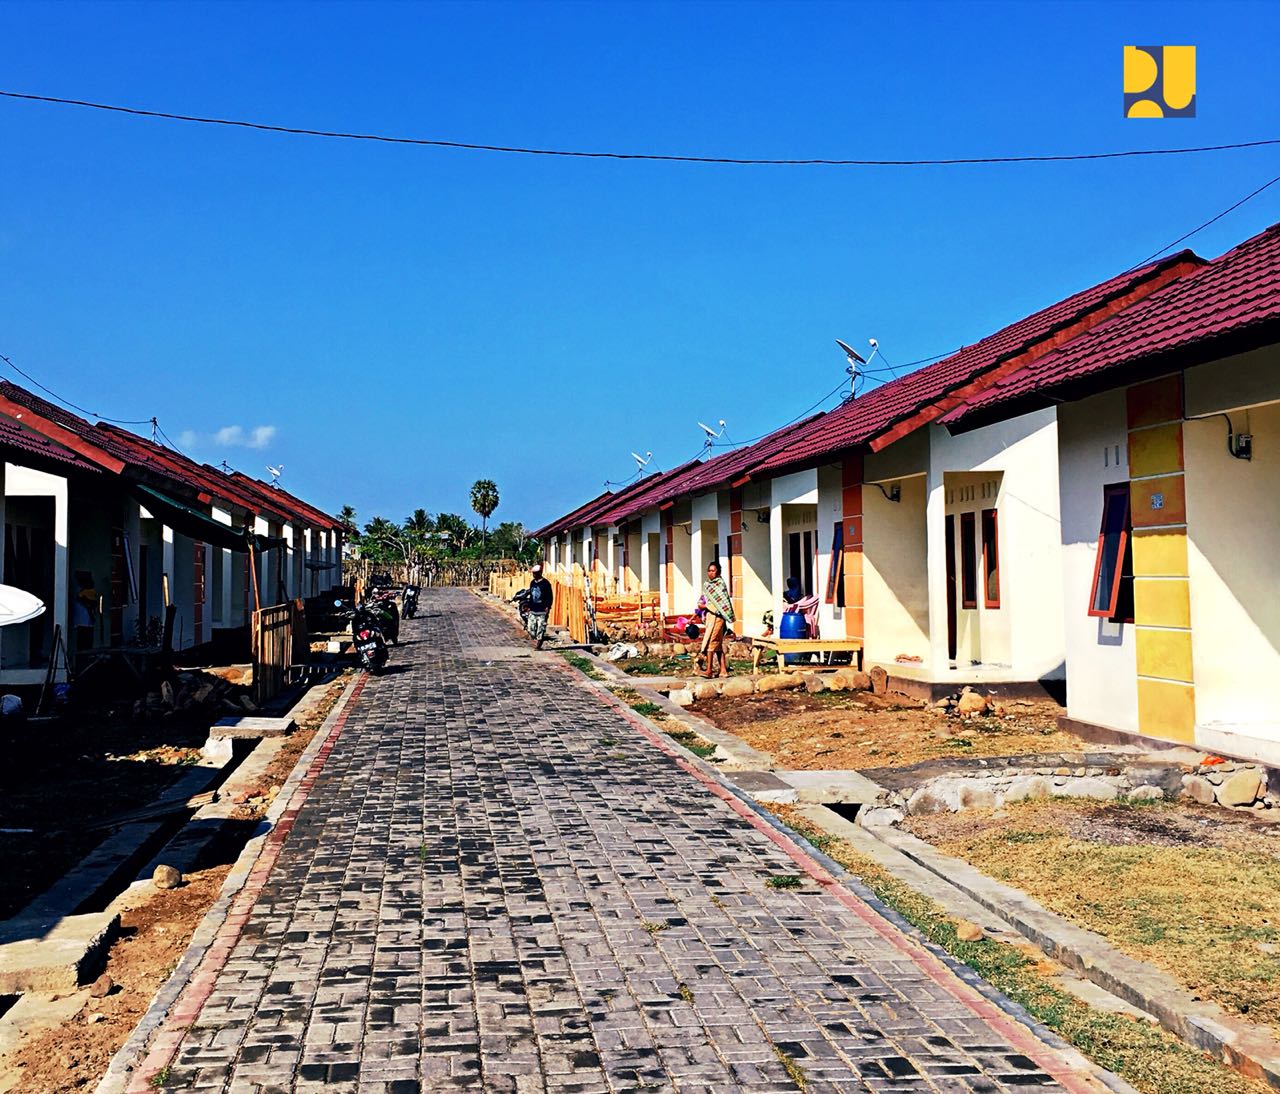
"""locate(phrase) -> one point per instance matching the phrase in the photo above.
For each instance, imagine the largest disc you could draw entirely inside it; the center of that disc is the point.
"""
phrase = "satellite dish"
(18, 606)
(851, 353)
(275, 473)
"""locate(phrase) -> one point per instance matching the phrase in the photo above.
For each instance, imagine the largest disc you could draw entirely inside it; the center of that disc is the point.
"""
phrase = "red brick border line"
(164, 1045)
(1014, 1032)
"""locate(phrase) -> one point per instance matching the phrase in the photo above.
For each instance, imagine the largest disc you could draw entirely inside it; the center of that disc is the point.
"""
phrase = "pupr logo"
(1159, 81)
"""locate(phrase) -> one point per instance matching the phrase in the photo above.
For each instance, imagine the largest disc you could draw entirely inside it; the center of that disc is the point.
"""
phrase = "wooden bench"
(783, 646)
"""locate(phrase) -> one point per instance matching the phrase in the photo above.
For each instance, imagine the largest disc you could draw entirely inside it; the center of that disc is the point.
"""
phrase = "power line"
(68, 403)
(652, 156)
(1202, 227)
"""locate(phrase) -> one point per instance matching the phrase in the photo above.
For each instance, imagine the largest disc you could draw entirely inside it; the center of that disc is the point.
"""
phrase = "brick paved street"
(498, 882)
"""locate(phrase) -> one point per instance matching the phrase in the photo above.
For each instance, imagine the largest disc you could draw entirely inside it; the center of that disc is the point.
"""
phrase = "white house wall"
(1101, 655)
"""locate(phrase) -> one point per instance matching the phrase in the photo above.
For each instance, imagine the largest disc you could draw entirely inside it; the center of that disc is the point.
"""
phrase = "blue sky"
(396, 322)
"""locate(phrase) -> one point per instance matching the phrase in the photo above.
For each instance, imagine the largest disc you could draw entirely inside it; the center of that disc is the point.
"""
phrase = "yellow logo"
(1159, 81)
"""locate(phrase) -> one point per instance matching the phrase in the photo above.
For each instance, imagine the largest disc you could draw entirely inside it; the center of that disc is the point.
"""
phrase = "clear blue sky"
(410, 319)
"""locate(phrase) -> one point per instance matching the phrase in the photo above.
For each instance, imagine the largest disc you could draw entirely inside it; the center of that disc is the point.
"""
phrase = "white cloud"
(229, 436)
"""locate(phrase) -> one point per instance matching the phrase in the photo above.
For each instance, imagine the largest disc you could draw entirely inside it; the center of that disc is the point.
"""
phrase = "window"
(1111, 596)
(968, 561)
(835, 587)
(990, 559)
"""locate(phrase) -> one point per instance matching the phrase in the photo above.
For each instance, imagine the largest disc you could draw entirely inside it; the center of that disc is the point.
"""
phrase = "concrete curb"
(831, 874)
(125, 1064)
(1247, 1047)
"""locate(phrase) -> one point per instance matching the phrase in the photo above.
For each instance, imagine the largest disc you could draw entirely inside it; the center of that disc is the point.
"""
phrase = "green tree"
(347, 518)
(455, 532)
(383, 541)
(484, 500)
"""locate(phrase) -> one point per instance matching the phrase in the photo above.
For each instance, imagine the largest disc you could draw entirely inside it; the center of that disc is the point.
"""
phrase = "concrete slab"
(252, 727)
(57, 956)
(764, 786)
(834, 787)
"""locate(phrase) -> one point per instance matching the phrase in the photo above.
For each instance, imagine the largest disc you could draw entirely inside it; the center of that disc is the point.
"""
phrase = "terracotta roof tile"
(14, 438)
(1236, 291)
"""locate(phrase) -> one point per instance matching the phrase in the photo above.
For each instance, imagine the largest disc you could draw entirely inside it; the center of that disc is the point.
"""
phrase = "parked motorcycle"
(409, 601)
(382, 601)
(367, 637)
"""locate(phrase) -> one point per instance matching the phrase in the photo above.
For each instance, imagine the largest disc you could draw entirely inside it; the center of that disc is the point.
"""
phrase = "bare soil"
(72, 1057)
(853, 730)
(1194, 890)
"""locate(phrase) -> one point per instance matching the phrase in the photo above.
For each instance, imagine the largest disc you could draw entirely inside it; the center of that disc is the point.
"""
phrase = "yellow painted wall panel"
(1164, 654)
(1155, 451)
(1167, 710)
(1160, 554)
(1162, 602)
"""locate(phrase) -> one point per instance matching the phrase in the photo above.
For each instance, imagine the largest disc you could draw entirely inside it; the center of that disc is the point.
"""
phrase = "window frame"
(968, 561)
(1110, 491)
(991, 561)
(835, 572)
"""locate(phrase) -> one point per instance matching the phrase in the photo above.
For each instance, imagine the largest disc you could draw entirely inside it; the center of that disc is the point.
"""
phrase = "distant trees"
(422, 536)
(484, 500)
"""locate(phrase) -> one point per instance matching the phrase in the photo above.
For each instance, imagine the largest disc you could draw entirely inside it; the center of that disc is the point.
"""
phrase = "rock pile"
(222, 690)
(1230, 784)
(845, 679)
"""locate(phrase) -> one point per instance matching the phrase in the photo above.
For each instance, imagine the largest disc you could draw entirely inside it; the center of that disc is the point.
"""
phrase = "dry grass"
(1153, 1061)
(1194, 893)
(858, 730)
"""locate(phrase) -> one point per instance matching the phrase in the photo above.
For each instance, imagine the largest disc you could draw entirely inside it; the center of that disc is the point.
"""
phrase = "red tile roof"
(279, 500)
(13, 438)
(657, 489)
(861, 421)
(1232, 299)
(567, 520)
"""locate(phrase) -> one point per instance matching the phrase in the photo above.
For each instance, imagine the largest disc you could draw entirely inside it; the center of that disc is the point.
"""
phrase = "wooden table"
(783, 646)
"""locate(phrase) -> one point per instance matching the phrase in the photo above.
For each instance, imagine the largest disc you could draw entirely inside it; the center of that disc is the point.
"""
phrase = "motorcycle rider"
(538, 605)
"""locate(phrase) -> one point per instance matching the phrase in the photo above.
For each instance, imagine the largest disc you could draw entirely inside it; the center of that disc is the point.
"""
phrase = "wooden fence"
(431, 572)
(279, 642)
(635, 615)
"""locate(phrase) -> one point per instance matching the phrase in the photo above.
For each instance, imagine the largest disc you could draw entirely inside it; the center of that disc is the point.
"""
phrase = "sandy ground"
(853, 730)
(1194, 890)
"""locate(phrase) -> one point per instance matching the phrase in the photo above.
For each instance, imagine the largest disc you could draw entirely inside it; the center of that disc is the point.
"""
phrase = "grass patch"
(161, 1077)
(686, 993)
(654, 928)
(584, 665)
(1153, 1061)
(794, 1071)
(1192, 900)
(687, 739)
(648, 710)
(784, 881)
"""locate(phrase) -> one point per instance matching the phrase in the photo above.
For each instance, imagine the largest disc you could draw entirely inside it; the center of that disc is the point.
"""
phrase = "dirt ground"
(62, 783)
(1192, 889)
(73, 1056)
(852, 730)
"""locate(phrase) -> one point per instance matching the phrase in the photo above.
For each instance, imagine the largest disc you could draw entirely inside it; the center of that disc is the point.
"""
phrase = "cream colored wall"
(1101, 659)
(1027, 633)
(686, 593)
(982, 633)
(757, 573)
(1233, 526)
(895, 573)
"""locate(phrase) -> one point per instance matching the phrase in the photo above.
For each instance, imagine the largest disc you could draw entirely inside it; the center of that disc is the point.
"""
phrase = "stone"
(837, 682)
(166, 877)
(1241, 788)
(736, 687)
(880, 816)
(1146, 793)
(854, 679)
(682, 697)
(814, 684)
(790, 680)
(1197, 789)
(969, 932)
(972, 703)
(1029, 787)
(879, 680)
(705, 689)
(1089, 787)
(925, 801)
(976, 796)
(102, 987)
(94, 1019)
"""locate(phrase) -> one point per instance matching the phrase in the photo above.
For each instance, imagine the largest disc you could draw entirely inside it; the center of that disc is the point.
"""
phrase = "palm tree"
(484, 500)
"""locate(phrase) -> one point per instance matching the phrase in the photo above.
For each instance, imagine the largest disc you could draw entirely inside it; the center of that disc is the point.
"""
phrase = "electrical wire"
(577, 154)
(1202, 227)
(68, 403)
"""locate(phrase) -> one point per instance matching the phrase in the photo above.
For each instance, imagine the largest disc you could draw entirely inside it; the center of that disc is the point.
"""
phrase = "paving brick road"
(497, 882)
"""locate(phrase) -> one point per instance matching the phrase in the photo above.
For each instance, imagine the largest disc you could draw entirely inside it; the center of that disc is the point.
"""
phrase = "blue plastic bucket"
(793, 625)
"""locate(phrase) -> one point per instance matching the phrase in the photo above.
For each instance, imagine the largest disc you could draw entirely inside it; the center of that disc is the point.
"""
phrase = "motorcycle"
(367, 637)
(381, 600)
(409, 600)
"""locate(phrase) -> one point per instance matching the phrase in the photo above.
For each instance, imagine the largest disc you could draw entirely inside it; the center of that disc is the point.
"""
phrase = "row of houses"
(1088, 497)
(110, 529)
